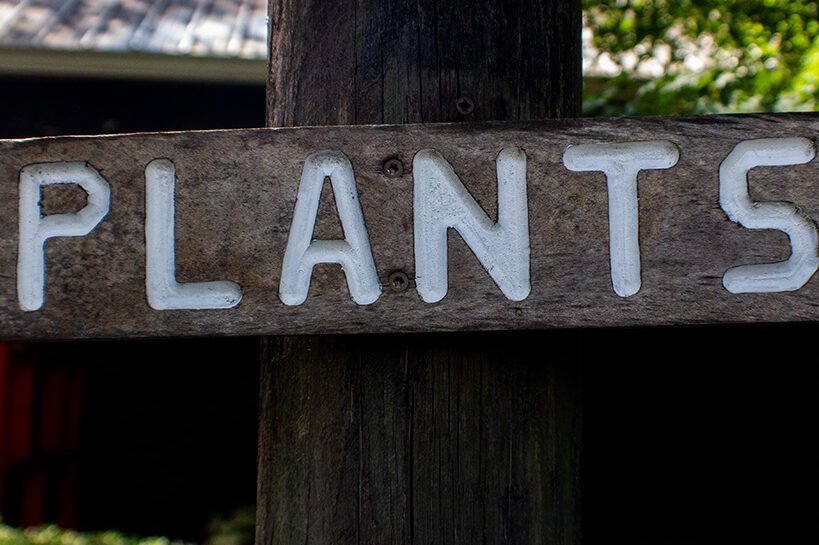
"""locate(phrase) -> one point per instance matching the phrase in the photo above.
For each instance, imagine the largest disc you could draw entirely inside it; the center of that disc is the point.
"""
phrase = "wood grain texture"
(443, 436)
(423, 413)
(420, 439)
(235, 195)
(409, 61)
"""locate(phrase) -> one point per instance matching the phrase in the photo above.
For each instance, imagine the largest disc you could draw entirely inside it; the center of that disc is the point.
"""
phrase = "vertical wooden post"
(420, 439)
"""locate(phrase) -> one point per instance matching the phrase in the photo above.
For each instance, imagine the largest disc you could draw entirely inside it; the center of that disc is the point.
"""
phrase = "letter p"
(36, 229)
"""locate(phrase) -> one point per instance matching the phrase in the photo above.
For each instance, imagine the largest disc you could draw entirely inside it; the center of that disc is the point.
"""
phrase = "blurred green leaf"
(727, 56)
(52, 535)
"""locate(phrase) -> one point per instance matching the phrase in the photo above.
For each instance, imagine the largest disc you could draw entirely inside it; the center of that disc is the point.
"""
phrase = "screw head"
(393, 168)
(398, 281)
(464, 105)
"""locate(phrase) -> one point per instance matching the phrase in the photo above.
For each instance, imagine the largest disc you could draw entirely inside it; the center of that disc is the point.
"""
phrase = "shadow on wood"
(420, 439)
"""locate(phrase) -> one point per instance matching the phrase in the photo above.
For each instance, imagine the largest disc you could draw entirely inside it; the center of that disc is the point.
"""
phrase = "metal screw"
(398, 281)
(393, 168)
(465, 106)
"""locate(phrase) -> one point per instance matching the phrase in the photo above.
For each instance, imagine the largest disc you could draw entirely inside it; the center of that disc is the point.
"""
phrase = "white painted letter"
(734, 199)
(353, 253)
(441, 202)
(164, 292)
(621, 163)
(36, 229)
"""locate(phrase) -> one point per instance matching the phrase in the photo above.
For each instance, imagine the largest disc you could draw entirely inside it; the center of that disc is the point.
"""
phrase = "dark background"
(692, 435)
(52, 106)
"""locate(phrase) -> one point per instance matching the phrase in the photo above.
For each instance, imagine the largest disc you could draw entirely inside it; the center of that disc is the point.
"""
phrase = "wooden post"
(420, 439)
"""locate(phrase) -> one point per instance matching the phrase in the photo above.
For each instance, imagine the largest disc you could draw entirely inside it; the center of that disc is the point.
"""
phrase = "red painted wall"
(40, 411)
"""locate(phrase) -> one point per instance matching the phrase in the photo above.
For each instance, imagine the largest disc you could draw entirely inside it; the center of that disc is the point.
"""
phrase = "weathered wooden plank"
(414, 439)
(424, 412)
(235, 196)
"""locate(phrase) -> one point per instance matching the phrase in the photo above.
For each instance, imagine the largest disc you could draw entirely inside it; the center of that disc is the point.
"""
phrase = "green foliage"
(238, 529)
(51, 535)
(708, 56)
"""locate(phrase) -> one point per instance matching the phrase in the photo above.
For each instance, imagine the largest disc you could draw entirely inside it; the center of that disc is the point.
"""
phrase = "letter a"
(353, 253)
(36, 229)
(734, 199)
(441, 202)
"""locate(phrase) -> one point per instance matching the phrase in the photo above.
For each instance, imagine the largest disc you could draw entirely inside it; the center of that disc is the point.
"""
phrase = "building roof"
(169, 39)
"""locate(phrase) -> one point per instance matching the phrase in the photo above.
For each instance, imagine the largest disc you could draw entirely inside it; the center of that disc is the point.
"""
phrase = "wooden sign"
(420, 228)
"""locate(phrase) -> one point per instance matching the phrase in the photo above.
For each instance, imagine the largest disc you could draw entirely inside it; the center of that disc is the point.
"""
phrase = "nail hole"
(465, 106)
(393, 168)
(398, 281)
